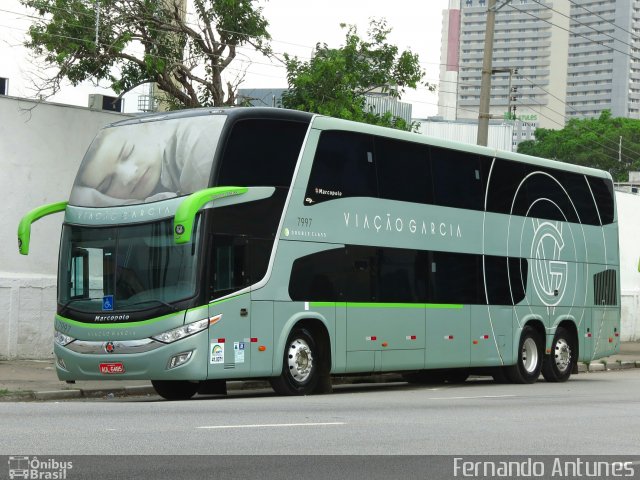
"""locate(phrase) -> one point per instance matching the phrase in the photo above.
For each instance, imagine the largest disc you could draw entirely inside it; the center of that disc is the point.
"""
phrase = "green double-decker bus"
(225, 244)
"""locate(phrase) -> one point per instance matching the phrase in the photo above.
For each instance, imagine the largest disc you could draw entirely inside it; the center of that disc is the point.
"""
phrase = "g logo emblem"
(549, 274)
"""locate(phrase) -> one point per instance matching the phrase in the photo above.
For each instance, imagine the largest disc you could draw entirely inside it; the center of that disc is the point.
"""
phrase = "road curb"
(57, 394)
(236, 385)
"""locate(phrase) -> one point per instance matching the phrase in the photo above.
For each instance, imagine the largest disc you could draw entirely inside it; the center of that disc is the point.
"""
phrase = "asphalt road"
(591, 414)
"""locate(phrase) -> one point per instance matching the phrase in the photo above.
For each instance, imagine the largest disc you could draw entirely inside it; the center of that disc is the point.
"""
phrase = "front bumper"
(149, 362)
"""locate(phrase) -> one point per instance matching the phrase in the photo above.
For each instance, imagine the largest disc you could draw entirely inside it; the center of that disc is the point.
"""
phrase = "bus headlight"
(179, 333)
(62, 339)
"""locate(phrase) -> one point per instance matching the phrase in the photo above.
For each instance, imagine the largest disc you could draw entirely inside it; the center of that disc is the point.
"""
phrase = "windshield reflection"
(129, 267)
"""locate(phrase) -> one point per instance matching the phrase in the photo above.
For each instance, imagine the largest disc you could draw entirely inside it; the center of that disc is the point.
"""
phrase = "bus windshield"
(147, 161)
(129, 267)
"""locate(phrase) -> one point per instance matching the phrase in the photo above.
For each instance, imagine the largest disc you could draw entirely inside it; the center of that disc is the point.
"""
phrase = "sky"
(295, 27)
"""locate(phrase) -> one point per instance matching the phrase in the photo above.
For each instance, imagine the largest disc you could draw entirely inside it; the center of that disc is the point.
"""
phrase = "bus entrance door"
(229, 338)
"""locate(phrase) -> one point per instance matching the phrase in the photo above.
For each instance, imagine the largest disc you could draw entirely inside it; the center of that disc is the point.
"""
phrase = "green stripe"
(387, 305)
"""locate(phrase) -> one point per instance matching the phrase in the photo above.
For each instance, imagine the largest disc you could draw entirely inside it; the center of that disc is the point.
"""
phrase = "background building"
(561, 59)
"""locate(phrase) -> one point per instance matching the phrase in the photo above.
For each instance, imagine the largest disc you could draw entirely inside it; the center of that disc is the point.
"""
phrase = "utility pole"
(485, 85)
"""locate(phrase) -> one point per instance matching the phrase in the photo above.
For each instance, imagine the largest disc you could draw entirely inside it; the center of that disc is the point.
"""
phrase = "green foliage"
(592, 143)
(144, 41)
(334, 82)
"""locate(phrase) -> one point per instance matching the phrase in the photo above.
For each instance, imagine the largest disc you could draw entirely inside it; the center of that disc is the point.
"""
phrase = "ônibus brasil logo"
(549, 272)
(35, 468)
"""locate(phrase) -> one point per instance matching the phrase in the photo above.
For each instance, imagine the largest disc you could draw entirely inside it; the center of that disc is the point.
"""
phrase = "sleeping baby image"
(146, 162)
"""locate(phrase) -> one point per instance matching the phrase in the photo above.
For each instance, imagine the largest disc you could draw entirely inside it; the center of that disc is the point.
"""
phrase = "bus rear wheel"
(175, 389)
(557, 366)
(529, 361)
(300, 364)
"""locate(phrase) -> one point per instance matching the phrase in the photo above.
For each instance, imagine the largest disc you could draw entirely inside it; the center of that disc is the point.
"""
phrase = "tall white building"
(573, 58)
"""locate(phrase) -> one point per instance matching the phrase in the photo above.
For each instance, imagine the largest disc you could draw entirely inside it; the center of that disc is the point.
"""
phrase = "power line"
(600, 17)
(581, 23)
(574, 33)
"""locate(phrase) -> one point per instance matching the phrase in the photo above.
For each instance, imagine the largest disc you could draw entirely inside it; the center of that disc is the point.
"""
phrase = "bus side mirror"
(187, 210)
(24, 228)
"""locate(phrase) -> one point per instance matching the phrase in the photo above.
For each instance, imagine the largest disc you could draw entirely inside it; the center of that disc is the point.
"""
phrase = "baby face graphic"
(126, 163)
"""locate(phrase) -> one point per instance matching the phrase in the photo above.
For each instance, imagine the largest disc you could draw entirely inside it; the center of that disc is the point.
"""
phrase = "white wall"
(41, 146)
(500, 136)
(629, 225)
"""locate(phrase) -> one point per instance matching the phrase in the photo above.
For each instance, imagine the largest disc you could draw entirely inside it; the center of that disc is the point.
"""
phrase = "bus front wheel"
(300, 363)
(529, 361)
(175, 389)
(557, 366)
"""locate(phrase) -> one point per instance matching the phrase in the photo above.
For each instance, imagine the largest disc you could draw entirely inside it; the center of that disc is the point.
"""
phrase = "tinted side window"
(261, 153)
(402, 278)
(578, 189)
(504, 182)
(532, 191)
(506, 279)
(457, 179)
(542, 197)
(403, 171)
(343, 167)
(395, 275)
(241, 238)
(603, 192)
(344, 274)
(455, 278)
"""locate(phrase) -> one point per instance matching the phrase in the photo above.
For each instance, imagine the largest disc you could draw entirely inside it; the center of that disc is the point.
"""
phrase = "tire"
(300, 365)
(175, 389)
(529, 361)
(499, 375)
(557, 366)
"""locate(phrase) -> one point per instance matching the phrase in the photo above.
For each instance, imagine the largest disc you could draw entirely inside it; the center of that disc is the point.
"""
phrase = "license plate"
(111, 368)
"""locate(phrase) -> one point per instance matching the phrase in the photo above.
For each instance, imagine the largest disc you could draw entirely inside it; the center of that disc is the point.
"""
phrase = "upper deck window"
(147, 161)
(261, 152)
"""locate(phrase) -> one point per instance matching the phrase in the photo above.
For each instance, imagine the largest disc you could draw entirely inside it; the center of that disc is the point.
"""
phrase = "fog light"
(179, 359)
(60, 363)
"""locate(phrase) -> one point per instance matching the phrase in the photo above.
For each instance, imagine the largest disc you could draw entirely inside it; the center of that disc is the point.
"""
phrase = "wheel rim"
(300, 360)
(562, 355)
(529, 355)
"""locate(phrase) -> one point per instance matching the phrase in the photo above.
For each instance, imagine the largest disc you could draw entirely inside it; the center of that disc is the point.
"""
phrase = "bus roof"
(235, 113)
(329, 123)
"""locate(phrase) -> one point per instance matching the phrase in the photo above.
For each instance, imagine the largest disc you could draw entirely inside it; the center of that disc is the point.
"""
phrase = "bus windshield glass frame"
(126, 268)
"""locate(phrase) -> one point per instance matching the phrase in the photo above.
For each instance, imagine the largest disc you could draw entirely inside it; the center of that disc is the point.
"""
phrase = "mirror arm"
(24, 228)
(189, 207)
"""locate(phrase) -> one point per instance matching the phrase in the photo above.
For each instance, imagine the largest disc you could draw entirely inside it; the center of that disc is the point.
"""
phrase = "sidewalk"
(36, 379)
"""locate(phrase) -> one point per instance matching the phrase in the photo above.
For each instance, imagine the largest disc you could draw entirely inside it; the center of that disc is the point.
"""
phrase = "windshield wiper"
(83, 299)
(162, 302)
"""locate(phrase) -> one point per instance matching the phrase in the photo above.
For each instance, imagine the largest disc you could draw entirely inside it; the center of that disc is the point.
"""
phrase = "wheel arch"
(316, 324)
(532, 321)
